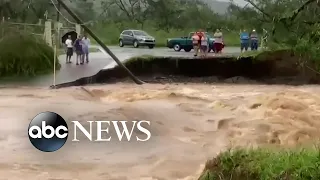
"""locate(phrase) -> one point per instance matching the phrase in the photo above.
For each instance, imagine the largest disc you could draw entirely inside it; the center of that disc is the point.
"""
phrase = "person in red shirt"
(200, 34)
(196, 38)
(195, 42)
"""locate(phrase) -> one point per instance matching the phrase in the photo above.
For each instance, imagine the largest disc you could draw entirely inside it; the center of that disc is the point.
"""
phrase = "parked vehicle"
(136, 38)
(186, 43)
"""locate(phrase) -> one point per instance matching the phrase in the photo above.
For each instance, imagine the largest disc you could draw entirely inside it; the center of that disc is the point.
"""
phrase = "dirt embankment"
(279, 67)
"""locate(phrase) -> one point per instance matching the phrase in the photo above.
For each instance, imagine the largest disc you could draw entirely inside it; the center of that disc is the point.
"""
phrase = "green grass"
(24, 55)
(109, 33)
(264, 164)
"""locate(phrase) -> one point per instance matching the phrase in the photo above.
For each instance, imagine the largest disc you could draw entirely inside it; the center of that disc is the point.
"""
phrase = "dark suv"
(136, 38)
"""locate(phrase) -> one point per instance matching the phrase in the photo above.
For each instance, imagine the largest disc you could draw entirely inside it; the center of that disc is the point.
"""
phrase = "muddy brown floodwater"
(189, 123)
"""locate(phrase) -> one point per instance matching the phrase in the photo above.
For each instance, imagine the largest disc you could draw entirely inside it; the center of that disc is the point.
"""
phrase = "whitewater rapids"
(189, 123)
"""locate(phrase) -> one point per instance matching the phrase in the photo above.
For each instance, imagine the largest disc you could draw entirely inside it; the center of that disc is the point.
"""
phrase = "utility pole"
(56, 43)
(79, 21)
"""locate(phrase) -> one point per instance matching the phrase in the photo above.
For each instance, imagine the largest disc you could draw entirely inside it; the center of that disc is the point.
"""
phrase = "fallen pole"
(79, 21)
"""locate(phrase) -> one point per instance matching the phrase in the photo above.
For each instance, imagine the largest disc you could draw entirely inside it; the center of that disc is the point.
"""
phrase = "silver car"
(136, 38)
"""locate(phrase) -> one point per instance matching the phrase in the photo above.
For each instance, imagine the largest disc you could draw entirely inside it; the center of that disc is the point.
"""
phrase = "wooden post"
(48, 32)
(54, 60)
(2, 29)
(78, 29)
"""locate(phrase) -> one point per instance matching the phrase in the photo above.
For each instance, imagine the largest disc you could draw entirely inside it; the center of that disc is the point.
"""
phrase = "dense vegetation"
(292, 23)
(24, 55)
(162, 19)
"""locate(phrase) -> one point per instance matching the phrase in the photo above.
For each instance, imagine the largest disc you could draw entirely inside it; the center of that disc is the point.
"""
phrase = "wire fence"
(37, 30)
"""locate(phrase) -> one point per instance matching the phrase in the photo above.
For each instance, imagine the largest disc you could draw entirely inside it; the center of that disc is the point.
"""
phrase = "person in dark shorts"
(244, 39)
(79, 51)
(254, 40)
(69, 49)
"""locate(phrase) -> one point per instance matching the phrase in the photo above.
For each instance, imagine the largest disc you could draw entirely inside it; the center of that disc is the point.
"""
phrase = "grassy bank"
(109, 33)
(24, 55)
(264, 164)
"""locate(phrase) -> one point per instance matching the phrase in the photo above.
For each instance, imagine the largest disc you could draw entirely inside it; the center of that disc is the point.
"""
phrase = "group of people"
(247, 40)
(201, 41)
(80, 46)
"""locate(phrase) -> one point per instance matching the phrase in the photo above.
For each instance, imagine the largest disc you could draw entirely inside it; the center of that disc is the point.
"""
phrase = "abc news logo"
(48, 131)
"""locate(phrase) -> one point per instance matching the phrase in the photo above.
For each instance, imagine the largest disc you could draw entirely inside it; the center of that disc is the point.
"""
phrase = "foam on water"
(190, 123)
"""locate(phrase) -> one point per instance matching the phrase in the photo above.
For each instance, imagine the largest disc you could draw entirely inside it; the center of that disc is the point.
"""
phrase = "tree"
(134, 10)
(84, 9)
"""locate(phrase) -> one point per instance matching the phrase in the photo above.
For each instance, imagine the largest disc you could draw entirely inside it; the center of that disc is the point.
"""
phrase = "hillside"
(217, 6)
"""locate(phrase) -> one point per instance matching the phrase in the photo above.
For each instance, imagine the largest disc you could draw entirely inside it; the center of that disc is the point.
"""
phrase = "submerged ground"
(190, 123)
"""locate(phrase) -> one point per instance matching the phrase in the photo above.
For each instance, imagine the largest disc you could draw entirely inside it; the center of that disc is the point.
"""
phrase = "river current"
(189, 124)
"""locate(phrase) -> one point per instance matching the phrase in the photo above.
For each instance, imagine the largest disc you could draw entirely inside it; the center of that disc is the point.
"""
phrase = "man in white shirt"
(69, 46)
(85, 47)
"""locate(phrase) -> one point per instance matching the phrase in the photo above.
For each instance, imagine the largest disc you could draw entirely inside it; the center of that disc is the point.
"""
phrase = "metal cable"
(85, 23)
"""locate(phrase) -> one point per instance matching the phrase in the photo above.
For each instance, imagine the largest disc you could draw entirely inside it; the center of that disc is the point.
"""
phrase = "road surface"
(98, 61)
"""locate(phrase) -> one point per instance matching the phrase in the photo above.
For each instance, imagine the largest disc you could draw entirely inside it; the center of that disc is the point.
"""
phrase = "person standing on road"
(204, 45)
(196, 38)
(254, 40)
(85, 48)
(69, 49)
(195, 42)
(218, 42)
(244, 38)
(79, 51)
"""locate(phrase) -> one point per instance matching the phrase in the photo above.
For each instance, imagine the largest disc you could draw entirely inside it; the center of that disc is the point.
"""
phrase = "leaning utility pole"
(79, 21)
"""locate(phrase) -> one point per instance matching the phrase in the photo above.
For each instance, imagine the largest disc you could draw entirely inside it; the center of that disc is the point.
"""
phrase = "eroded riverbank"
(190, 123)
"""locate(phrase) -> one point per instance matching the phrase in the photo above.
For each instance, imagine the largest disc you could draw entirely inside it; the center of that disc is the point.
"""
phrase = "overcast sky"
(240, 2)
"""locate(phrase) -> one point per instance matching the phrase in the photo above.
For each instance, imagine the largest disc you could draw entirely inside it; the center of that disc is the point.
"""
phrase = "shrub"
(264, 164)
(23, 54)
(109, 33)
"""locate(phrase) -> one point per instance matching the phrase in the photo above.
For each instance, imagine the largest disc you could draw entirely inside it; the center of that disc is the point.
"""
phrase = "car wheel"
(121, 43)
(151, 46)
(177, 47)
(135, 44)
(187, 49)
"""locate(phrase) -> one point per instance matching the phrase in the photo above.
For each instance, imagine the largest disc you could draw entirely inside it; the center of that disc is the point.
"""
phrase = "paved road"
(127, 52)
(101, 60)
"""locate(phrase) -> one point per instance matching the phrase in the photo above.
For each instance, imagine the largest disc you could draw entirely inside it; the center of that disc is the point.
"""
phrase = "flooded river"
(189, 124)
